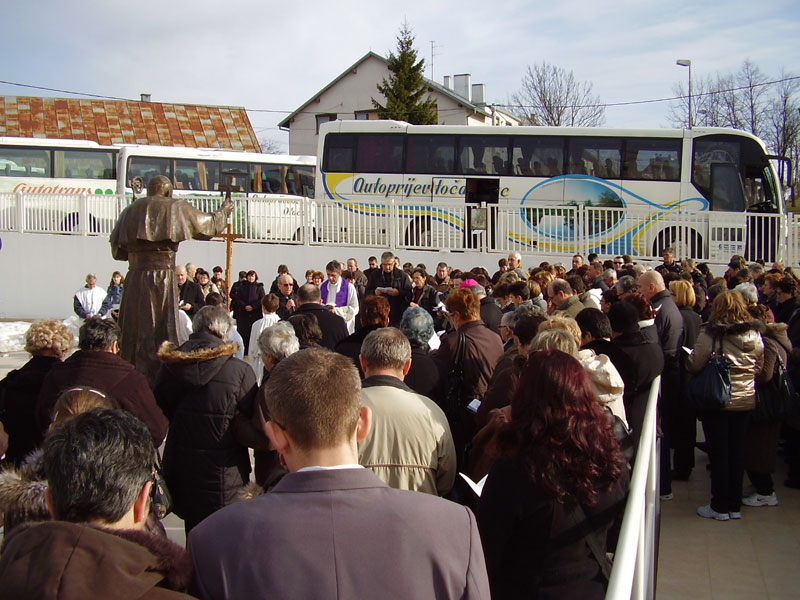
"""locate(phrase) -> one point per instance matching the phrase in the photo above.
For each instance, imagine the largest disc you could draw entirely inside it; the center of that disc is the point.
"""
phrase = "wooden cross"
(229, 238)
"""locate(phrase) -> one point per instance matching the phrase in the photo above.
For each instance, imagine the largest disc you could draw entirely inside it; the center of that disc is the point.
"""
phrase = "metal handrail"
(633, 573)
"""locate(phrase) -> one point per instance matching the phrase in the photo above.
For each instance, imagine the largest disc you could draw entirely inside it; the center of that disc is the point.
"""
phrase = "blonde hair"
(729, 307)
(683, 291)
(545, 278)
(553, 339)
(564, 323)
(49, 335)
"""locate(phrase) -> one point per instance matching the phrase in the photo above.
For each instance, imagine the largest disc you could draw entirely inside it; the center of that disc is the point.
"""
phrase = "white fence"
(541, 230)
(634, 572)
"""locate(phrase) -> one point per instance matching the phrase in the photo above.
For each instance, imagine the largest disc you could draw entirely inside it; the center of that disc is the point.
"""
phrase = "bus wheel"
(419, 233)
(686, 242)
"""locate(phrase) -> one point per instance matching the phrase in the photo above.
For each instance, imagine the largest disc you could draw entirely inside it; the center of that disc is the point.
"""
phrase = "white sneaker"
(735, 515)
(709, 513)
(669, 496)
(759, 500)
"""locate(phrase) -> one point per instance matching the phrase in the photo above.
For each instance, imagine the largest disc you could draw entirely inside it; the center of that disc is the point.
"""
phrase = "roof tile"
(128, 122)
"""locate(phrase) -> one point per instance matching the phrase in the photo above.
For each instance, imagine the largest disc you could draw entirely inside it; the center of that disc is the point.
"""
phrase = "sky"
(271, 57)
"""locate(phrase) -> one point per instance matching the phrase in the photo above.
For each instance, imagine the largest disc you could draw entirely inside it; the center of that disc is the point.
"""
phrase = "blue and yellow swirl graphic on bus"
(545, 209)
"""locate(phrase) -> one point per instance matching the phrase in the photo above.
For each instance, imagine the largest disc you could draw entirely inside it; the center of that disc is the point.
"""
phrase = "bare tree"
(782, 120)
(730, 100)
(270, 146)
(708, 105)
(551, 95)
(752, 91)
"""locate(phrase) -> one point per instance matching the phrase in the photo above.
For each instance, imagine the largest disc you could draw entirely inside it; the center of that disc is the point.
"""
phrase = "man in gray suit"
(330, 528)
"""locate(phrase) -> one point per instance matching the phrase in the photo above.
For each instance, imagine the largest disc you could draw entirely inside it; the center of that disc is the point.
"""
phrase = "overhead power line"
(511, 106)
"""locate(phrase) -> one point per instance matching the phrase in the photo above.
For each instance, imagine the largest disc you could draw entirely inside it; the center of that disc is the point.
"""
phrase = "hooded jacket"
(199, 387)
(742, 345)
(57, 560)
(606, 381)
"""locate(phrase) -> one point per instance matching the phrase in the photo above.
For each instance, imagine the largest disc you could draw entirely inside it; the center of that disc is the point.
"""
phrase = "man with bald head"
(147, 235)
(191, 295)
(669, 322)
(287, 296)
(669, 325)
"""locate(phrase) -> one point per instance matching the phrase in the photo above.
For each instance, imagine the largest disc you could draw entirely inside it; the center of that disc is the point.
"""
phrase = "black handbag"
(459, 417)
(775, 399)
(160, 496)
(710, 389)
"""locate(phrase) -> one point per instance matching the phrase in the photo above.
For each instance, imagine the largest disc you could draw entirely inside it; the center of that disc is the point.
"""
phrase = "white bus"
(710, 192)
(57, 176)
(271, 187)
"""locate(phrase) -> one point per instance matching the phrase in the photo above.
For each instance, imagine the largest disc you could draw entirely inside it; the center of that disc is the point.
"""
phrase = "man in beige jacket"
(409, 446)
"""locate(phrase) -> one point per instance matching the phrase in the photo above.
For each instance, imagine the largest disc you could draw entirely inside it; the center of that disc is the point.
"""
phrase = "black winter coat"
(18, 392)
(199, 387)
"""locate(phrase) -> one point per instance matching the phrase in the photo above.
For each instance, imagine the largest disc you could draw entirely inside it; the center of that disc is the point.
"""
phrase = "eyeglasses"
(278, 423)
(287, 284)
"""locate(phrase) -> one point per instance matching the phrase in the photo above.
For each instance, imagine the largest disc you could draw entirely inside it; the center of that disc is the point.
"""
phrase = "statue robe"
(147, 235)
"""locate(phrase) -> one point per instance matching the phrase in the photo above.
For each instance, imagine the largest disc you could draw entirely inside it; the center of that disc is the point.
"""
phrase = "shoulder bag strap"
(458, 358)
(592, 540)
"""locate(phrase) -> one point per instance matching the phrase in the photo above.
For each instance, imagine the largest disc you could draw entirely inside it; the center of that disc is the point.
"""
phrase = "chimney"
(448, 83)
(479, 93)
(462, 86)
(145, 97)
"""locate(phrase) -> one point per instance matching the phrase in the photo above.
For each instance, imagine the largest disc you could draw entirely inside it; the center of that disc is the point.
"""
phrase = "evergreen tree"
(405, 87)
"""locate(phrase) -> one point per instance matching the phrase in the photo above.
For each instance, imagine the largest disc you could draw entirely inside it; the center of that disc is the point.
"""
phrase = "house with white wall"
(349, 96)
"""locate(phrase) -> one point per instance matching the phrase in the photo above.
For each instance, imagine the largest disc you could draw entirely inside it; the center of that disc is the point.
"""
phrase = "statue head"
(159, 186)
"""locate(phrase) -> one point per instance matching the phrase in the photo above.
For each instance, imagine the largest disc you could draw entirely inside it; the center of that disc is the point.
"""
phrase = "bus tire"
(687, 243)
(418, 233)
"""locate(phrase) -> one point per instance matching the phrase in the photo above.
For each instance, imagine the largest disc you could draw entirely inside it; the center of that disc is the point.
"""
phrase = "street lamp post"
(685, 62)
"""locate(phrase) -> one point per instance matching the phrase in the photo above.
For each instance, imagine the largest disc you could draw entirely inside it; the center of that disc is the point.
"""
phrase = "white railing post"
(83, 214)
(393, 222)
(20, 206)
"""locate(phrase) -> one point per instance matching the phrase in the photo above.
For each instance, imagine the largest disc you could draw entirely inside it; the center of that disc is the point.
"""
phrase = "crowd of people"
(313, 447)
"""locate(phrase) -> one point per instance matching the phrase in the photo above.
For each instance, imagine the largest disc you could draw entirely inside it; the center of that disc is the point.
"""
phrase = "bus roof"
(50, 143)
(215, 154)
(403, 127)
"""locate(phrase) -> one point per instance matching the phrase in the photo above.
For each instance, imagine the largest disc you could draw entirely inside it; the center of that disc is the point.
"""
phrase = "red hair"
(642, 304)
(561, 431)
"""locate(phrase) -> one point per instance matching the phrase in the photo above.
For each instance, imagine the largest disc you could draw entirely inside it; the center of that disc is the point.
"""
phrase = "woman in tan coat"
(740, 336)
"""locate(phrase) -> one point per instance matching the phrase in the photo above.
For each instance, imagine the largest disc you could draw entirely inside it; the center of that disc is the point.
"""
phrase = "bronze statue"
(147, 235)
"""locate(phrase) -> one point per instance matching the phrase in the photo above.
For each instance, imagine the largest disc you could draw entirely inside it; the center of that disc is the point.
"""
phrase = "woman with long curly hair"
(557, 488)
